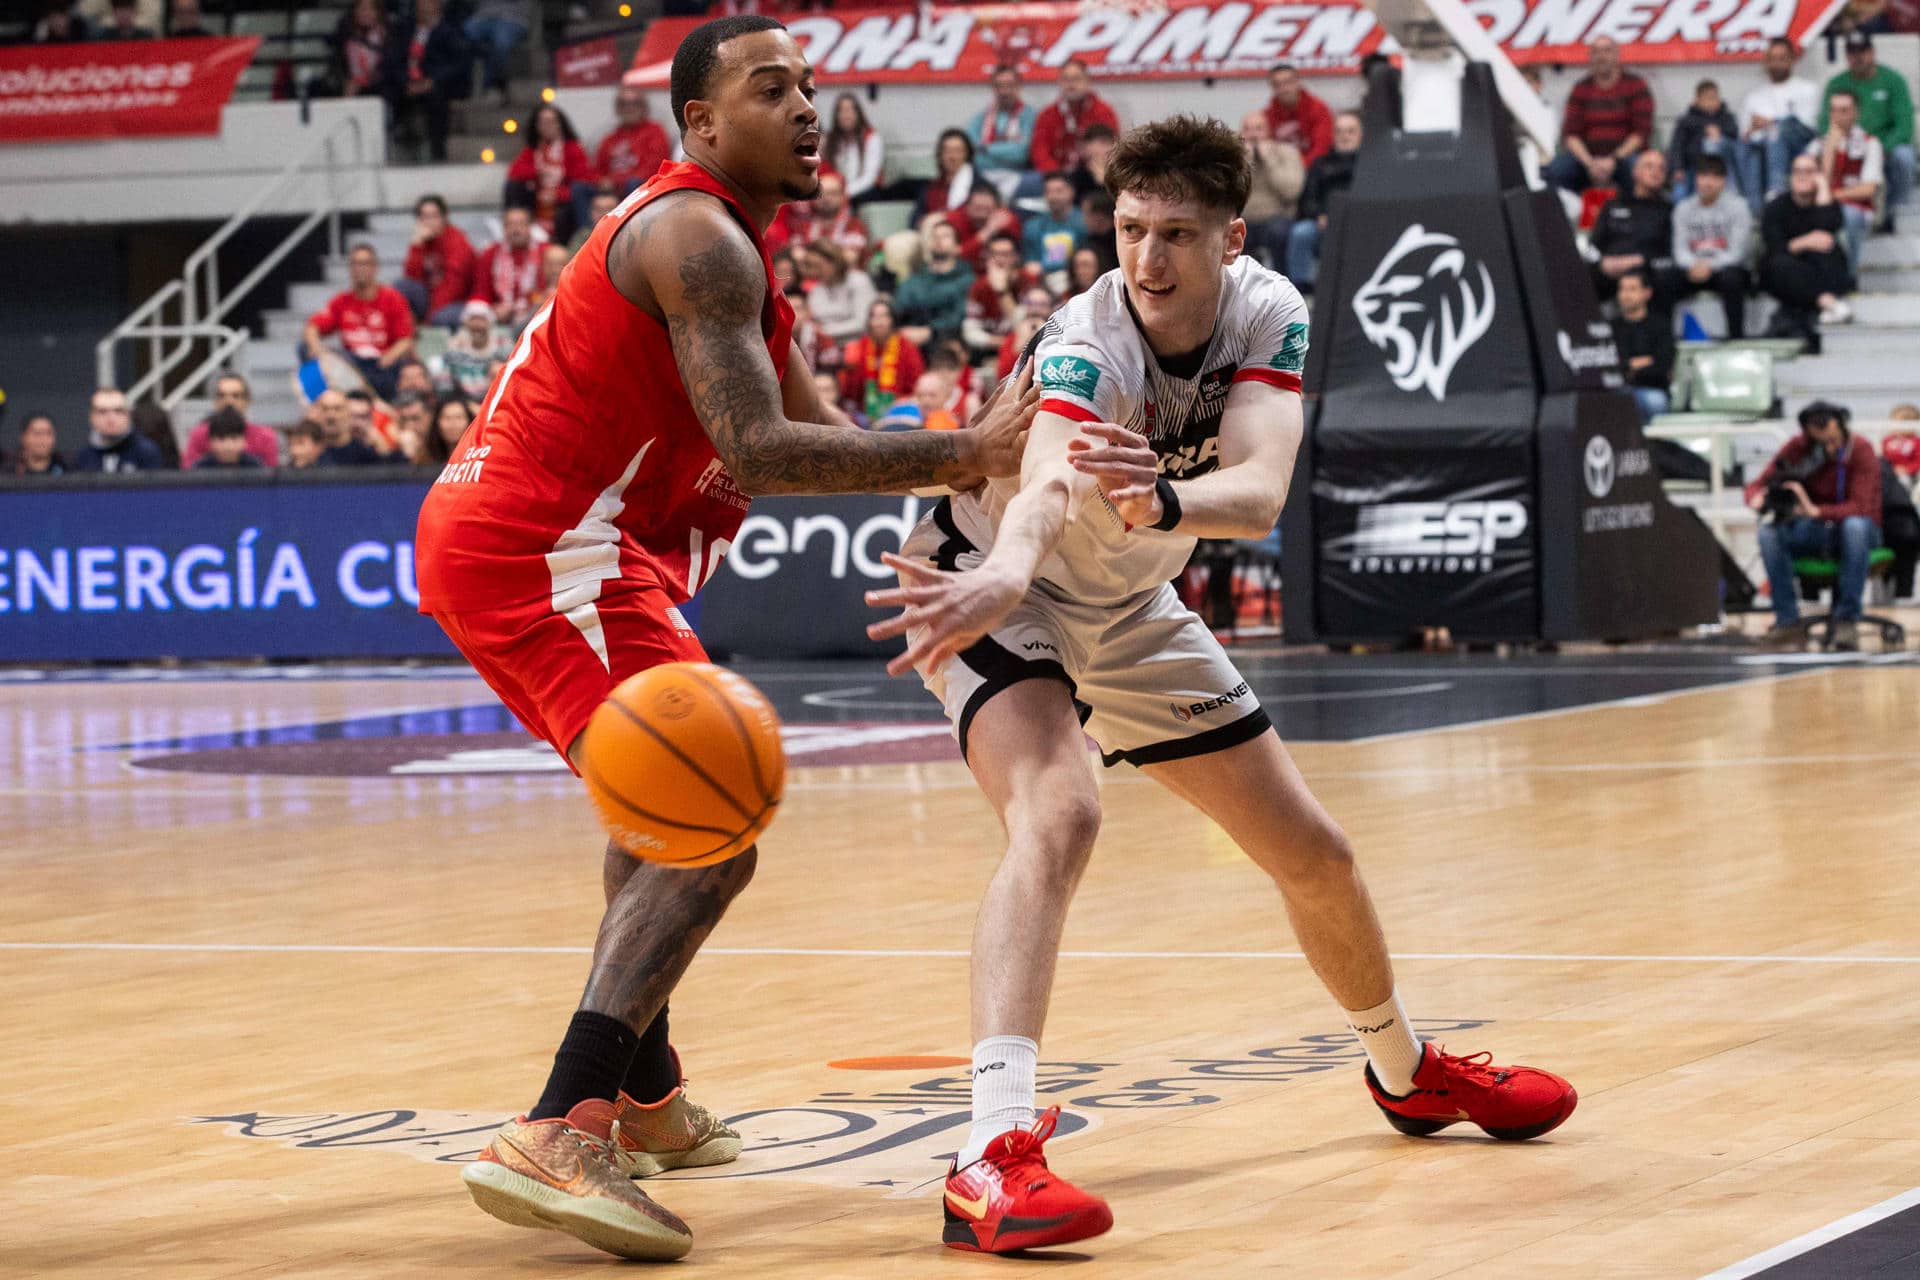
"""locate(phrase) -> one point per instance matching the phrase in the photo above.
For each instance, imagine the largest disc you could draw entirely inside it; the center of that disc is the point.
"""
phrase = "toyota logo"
(1598, 467)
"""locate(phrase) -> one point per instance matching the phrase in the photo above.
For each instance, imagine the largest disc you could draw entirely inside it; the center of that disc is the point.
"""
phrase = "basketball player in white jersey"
(1170, 411)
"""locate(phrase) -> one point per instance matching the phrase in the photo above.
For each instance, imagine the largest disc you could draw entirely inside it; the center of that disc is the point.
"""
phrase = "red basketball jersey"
(587, 461)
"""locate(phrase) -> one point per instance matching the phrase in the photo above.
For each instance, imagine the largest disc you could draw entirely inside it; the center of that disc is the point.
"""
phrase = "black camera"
(1781, 502)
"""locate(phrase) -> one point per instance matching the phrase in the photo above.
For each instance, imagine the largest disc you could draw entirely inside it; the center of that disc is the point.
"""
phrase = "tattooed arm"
(700, 272)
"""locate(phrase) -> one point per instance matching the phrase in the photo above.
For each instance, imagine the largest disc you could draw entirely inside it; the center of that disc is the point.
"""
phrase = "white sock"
(1391, 1046)
(1003, 1071)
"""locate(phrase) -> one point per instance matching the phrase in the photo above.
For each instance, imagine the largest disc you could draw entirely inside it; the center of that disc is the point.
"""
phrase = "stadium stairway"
(271, 359)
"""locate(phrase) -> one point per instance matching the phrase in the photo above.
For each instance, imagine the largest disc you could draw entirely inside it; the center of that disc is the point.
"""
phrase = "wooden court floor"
(253, 1020)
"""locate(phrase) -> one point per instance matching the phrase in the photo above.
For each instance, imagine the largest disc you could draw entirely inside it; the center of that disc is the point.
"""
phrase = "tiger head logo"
(1424, 306)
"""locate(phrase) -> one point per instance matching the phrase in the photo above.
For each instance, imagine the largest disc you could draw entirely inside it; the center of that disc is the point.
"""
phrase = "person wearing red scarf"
(508, 273)
(827, 216)
(545, 173)
(880, 367)
(1056, 134)
(1296, 116)
(1003, 133)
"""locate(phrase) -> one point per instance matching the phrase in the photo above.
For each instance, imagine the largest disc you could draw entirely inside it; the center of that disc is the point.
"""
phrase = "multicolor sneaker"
(1511, 1103)
(673, 1133)
(564, 1175)
(1008, 1199)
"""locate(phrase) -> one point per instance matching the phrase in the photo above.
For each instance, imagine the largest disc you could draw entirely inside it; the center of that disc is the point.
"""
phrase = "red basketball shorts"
(552, 669)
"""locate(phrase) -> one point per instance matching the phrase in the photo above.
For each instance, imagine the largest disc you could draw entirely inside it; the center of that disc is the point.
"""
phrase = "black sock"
(652, 1074)
(591, 1062)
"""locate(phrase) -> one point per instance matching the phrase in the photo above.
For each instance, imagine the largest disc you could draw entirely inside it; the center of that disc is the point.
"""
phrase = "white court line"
(1637, 700)
(920, 953)
(298, 786)
(1814, 1239)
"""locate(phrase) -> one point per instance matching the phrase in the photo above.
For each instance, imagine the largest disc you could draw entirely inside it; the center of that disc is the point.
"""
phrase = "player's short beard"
(801, 190)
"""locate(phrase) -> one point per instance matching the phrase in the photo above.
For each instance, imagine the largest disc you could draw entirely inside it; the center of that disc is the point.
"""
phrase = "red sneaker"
(1511, 1103)
(1008, 1200)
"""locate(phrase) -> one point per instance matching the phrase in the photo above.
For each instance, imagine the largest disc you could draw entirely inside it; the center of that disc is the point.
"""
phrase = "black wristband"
(1169, 504)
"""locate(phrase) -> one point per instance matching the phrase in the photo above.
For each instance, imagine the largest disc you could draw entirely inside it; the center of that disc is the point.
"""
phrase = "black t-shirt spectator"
(1635, 224)
(1332, 172)
(354, 453)
(1784, 221)
(131, 452)
(1650, 336)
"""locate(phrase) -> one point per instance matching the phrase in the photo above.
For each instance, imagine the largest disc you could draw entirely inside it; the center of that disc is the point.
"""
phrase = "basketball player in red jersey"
(610, 468)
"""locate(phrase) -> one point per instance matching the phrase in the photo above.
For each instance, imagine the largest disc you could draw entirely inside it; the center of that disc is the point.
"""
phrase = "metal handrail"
(202, 304)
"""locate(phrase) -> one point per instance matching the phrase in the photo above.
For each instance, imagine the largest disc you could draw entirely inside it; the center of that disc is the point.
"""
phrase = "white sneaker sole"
(520, 1201)
(645, 1164)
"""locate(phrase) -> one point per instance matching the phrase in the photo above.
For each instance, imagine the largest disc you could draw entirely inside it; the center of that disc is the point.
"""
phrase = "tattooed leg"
(656, 919)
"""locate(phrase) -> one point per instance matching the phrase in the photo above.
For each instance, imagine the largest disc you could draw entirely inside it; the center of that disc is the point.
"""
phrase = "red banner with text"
(124, 88)
(1170, 39)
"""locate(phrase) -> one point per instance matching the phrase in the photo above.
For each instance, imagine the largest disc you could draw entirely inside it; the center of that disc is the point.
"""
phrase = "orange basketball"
(684, 764)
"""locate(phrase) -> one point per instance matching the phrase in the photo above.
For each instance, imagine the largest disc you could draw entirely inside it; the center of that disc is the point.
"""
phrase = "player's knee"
(1319, 854)
(1065, 827)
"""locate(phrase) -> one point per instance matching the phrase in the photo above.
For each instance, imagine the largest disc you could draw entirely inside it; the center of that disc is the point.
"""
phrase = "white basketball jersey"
(1094, 365)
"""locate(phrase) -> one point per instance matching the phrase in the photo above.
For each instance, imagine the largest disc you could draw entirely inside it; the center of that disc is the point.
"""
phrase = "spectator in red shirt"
(439, 270)
(508, 272)
(993, 304)
(827, 216)
(880, 366)
(953, 176)
(1608, 120)
(980, 219)
(1296, 117)
(374, 322)
(230, 391)
(547, 174)
(634, 147)
(1056, 134)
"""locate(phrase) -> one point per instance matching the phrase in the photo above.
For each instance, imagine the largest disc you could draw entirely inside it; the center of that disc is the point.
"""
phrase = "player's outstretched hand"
(1000, 425)
(951, 610)
(1123, 463)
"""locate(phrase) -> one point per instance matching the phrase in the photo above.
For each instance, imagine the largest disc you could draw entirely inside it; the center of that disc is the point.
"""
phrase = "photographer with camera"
(1820, 496)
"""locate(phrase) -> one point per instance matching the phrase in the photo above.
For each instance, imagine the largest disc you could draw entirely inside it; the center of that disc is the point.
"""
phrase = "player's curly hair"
(1183, 158)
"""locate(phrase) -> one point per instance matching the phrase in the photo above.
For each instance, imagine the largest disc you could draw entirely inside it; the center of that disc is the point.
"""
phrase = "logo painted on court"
(896, 1139)
(1425, 306)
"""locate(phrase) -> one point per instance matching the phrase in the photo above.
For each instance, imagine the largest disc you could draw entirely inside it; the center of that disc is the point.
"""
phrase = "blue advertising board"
(130, 569)
(139, 568)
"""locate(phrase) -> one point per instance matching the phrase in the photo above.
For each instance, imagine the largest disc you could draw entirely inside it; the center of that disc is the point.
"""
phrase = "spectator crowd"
(1773, 186)
(1779, 198)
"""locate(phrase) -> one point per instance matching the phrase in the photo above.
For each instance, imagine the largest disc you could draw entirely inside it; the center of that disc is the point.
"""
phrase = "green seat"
(1815, 572)
(1779, 348)
(1819, 571)
(1733, 383)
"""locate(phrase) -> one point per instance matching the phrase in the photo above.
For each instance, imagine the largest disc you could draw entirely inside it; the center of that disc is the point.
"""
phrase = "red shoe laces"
(1023, 1150)
(1475, 1068)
